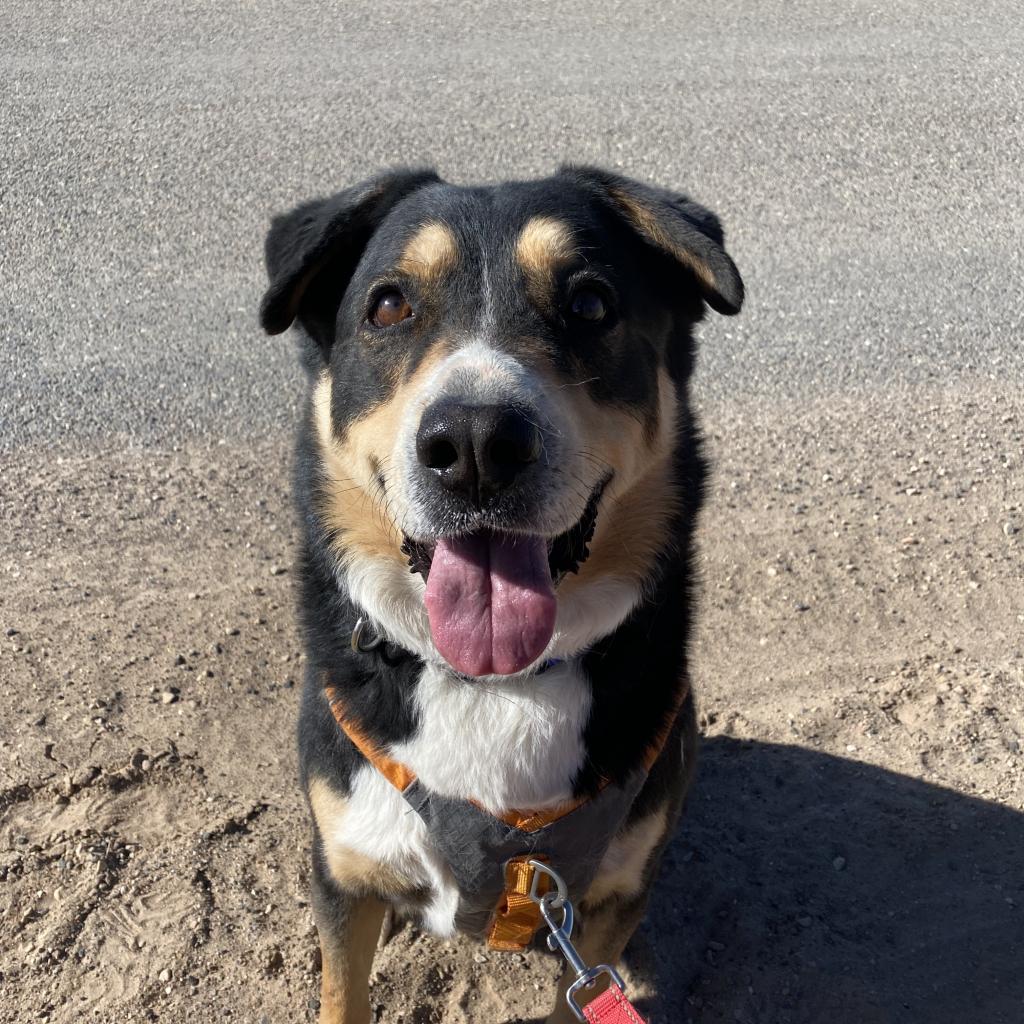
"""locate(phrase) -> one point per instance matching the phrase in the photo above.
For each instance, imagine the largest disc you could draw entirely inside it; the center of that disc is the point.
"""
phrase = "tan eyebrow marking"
(430, 252)
(544, 245)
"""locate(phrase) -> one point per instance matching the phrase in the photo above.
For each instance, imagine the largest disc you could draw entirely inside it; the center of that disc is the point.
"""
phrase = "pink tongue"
(490, 602)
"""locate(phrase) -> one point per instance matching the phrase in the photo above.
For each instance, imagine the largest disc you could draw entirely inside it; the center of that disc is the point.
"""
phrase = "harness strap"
(397, 774)
(402, 777)
(517, 917)
(657, 745)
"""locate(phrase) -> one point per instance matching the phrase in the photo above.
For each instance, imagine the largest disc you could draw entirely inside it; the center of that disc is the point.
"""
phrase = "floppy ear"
(676, 225)
(312, 251)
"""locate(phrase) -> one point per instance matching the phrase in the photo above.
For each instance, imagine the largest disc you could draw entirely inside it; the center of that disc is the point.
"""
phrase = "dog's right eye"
(389, 308)
(588, 304)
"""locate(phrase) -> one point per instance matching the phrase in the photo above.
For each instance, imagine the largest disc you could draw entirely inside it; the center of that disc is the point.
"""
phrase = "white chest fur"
(506, 744)
(380, 825)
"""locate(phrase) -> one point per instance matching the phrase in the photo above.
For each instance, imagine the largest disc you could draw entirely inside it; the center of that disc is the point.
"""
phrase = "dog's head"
(498, 399)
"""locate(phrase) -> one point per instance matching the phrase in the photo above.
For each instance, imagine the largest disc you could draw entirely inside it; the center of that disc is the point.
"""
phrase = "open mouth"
(490, 594)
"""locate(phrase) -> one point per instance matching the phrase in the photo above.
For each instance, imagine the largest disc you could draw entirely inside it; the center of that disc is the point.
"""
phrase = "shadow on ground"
(807, 888)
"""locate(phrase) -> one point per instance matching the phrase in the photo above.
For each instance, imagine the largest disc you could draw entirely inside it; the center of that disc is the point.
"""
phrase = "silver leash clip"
(560, 939)
(363, 639)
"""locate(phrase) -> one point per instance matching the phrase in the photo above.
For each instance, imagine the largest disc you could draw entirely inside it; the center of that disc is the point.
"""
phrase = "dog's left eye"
(390, 307)
(588, 304)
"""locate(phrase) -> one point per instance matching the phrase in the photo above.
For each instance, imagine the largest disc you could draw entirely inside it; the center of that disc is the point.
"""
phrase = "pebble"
(479, 958)
(839, 863)
(232, 631)
(1008, 528)
(804, 922)
(277, 570)
(165, 975)
(169, 697)
(716, 946)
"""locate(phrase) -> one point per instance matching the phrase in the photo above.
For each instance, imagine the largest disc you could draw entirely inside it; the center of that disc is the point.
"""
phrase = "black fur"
(327, 260)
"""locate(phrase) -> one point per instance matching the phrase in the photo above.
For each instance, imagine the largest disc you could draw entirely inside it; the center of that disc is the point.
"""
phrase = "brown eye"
(390, 308)
(587, 304)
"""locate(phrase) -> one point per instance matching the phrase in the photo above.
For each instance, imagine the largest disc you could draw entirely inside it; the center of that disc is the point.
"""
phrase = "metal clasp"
(560, 939)
(360, 643)
(561, 893)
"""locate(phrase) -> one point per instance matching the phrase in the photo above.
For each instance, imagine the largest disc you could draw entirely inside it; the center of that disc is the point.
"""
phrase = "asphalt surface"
(865, 158)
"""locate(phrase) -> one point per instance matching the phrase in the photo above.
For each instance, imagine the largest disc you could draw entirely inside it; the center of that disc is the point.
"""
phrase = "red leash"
(611, 1006)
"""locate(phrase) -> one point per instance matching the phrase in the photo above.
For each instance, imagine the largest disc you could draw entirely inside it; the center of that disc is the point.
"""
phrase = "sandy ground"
(854, 851)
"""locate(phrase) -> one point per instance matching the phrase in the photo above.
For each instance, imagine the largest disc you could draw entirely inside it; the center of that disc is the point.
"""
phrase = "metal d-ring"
(555, 900)
(360, 644)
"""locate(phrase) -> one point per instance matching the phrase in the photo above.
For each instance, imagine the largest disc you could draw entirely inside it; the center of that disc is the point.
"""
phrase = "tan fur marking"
(543, 246)
(639, 503)
(622, 870)
(347, 958)
(353, 506)
(352, 871)
(647, 223)
(431, 252)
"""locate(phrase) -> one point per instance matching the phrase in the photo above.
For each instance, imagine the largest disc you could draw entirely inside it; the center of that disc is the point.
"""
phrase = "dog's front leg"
(349, 925)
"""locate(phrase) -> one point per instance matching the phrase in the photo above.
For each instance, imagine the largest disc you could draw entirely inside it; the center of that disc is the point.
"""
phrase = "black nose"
(477, 451)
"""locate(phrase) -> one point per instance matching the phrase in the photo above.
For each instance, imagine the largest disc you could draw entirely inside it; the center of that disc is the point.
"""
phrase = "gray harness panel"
(476, 845)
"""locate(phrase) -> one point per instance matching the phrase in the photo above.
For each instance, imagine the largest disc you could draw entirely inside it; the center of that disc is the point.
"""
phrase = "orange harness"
(516, 917)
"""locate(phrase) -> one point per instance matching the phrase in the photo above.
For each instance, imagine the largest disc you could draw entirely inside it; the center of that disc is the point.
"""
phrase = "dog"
(498, 478)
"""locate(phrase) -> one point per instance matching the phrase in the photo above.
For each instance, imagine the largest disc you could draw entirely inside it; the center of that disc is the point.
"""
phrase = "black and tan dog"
(498, 477)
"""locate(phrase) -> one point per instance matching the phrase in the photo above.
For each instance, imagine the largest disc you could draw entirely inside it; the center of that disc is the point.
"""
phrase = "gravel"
(865, 161)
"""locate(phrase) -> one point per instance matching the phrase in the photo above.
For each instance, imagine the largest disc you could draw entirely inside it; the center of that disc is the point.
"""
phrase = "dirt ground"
(853, 853)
